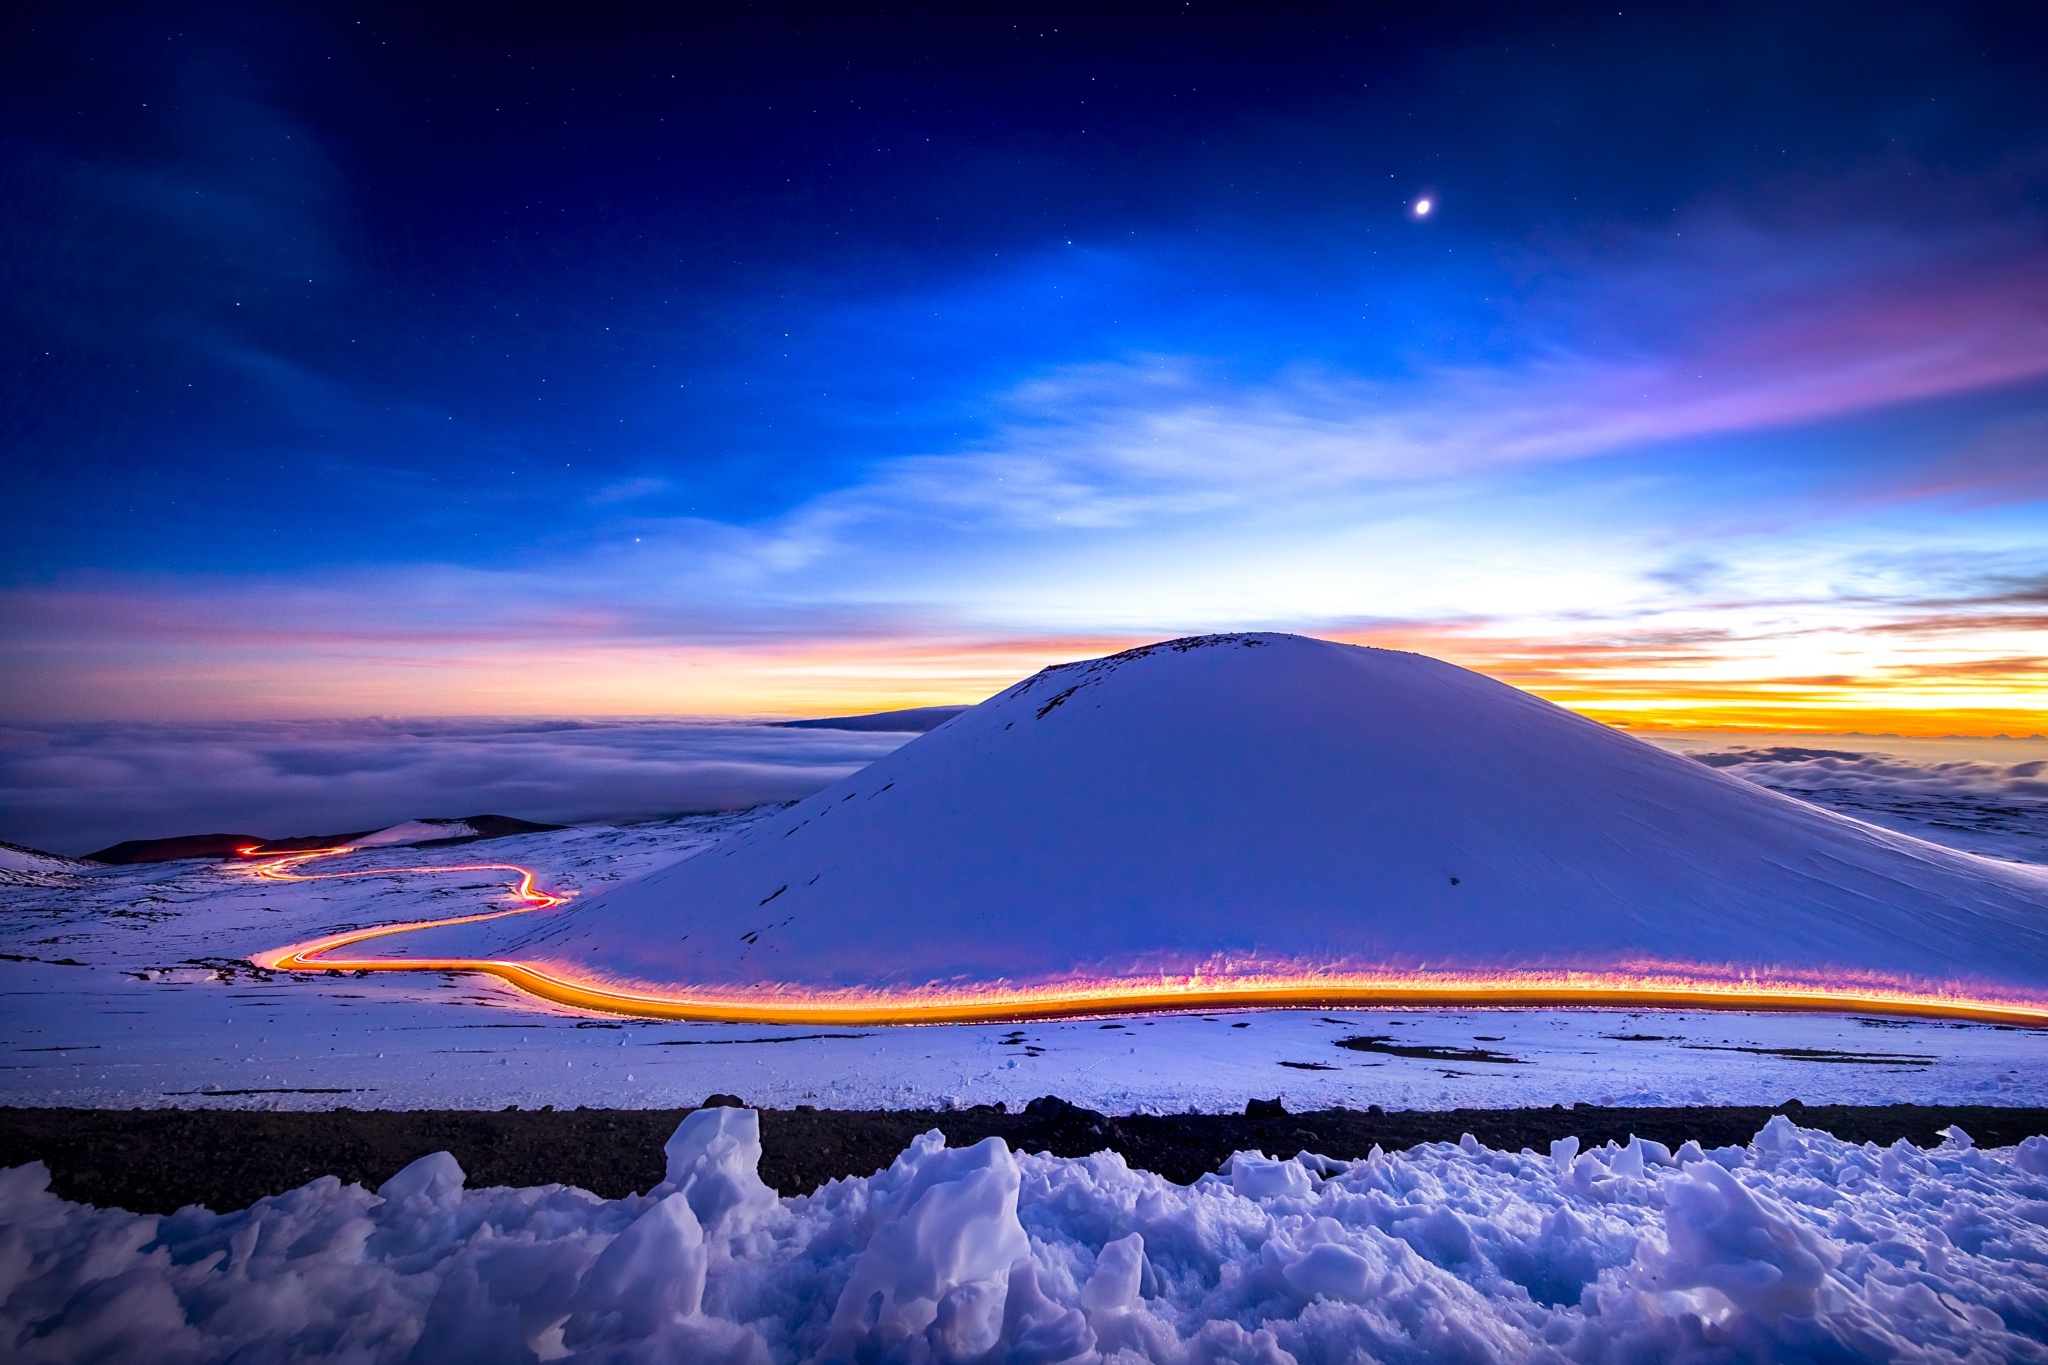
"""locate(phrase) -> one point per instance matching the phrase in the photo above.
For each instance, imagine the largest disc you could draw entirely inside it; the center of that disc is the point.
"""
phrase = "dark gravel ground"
(156, 1160)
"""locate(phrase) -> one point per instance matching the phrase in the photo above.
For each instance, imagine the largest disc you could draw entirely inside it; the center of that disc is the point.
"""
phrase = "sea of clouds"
(1984, 796)
(1795, 1247)
(74, 788)
(1795, 768)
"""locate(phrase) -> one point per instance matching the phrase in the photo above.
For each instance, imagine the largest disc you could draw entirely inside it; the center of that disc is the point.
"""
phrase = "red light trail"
(280, 870)
(1661, 986)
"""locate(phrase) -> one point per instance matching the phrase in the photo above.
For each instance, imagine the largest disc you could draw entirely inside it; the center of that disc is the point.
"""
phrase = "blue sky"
(439, 359)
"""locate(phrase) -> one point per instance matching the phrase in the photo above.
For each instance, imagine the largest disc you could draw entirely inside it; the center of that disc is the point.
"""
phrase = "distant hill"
(1231, 805)
(916, 719)
(431, 830)
(171, 850)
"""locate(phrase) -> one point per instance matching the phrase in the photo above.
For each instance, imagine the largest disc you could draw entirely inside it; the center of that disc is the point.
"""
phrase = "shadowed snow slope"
(1269, 801)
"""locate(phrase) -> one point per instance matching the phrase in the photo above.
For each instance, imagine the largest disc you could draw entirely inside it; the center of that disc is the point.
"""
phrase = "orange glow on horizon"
(1872, 679)
(1658, 986)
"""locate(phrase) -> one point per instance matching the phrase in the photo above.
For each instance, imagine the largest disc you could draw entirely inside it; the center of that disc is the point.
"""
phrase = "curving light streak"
(280, 868)
(1674, 986)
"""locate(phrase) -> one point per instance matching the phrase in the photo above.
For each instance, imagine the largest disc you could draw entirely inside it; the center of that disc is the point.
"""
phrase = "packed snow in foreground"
(1798, 1246)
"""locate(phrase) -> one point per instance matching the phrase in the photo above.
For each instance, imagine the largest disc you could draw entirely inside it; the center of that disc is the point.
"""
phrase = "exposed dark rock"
(157, 1160)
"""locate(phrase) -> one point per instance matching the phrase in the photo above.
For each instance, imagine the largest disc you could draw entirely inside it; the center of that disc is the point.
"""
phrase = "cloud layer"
(75, 788)
(1984, 796)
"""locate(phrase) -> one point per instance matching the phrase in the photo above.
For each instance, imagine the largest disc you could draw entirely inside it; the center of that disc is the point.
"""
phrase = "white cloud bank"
(1795, 768)
(76, 788)
(1796, 1247)
(1984, 796)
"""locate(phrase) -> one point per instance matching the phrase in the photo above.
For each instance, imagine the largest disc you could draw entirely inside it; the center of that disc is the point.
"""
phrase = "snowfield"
(1796, 1247)
(131, 986)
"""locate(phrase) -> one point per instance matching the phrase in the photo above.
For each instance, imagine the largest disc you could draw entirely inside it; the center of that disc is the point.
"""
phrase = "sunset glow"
(1928, 680)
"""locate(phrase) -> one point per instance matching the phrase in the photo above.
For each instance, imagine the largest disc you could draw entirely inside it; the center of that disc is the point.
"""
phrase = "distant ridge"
(173, 849)
(430, 831)
(1270, 807)
(914, 719)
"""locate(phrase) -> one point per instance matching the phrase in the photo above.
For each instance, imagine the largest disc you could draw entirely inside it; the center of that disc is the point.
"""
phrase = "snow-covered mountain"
(1257, 802)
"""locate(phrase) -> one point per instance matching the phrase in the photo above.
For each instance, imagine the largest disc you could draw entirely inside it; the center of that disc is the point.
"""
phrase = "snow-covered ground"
(1795, 1247)
(129, 986)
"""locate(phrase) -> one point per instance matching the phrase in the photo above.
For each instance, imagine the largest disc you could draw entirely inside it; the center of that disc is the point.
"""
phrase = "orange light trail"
(1659, 987)
(280, 868)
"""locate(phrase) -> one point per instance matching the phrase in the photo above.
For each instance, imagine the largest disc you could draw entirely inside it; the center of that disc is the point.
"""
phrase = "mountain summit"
(1262, 804)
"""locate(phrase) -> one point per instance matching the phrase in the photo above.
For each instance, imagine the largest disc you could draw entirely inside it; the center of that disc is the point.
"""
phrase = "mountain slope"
(1270, 803)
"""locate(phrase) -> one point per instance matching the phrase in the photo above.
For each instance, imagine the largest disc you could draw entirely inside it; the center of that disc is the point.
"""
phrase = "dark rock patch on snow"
(1382, 1044)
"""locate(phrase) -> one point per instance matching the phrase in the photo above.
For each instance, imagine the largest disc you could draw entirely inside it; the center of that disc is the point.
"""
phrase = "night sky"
(438, 359)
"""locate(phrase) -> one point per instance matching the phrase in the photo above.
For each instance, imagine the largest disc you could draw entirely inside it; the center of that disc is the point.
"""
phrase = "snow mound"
(1271, 803)
(15, 858)
(1796, 1247)
(32, 867)
(414, 832)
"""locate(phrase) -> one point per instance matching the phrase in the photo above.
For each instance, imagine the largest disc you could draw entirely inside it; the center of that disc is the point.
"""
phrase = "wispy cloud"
(1721, 329)
(1544, 499)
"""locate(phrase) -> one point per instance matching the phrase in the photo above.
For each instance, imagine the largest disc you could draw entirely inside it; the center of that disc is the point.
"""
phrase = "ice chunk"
(651, 1276)
(1119, 1270)
(1780, 1135)
(1440, 1235)
(1038, 1331)
(1563, 1153)
(463, 1324)
(954, 1236)
(434, 1180)
(1256, 1176)
(1332, 1271)
(2032, 1156)
(714, 1158)
(1724, 1237)
(1117, 1316)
